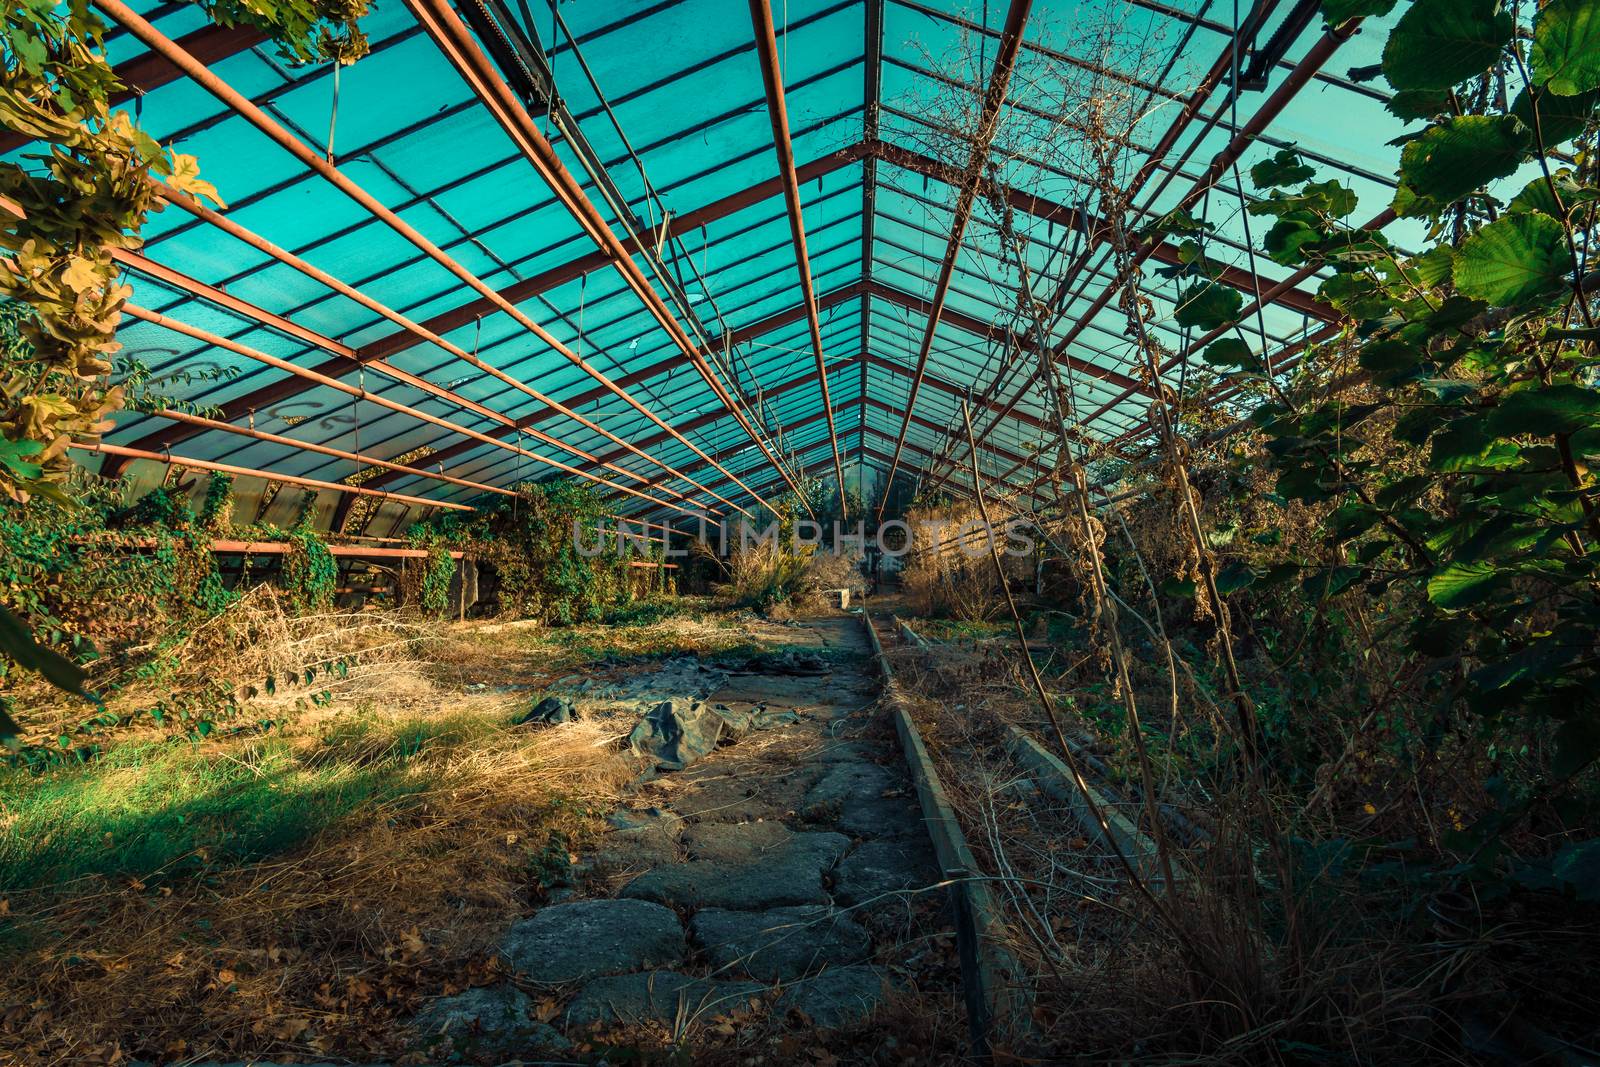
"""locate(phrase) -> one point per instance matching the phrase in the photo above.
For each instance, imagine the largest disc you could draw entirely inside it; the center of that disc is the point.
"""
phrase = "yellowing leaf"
(81, 275)
(185, 178)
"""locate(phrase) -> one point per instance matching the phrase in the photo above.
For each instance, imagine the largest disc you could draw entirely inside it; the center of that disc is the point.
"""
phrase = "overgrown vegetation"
(1342, 603)
(789, 558)
(549, 559)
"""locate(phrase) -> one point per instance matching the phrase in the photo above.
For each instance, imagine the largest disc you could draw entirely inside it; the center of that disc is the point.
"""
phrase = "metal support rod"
(251, 472)
(766, 36)
(988, 123)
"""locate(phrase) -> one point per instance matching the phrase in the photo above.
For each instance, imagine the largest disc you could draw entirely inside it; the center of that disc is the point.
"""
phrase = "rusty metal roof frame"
(621, 237)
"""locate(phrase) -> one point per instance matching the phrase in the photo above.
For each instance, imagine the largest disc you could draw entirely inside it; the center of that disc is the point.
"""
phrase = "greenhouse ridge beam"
(778, 113)
(454, 40)
(988, 122)
(230, 97)
(871, 94)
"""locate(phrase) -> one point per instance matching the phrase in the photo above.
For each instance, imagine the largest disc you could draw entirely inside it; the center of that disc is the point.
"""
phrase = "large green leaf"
(1284, 169)
(1541, 194)
(1513, 259)
(1207, 305)
(1283, 243)
(1546, 410)
(1461, 585)
(1338, 12)
(1456, 157)
(1440, 43)
(1561, 118)
(1356, 295)
(1391, 360)
(1231, 352)
(1234, 577)
(1470, 444)
(1566, 47)
(1418, 103)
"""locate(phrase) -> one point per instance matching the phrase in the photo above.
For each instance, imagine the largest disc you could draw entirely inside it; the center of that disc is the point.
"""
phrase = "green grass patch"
(174, 808)
(958, 629)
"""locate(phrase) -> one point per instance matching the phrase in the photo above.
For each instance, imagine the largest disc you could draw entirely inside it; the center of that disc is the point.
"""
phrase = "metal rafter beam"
(753, 330)
(344, 358)
(250, 472)
(308, 158)
(276, 392)
(455, 42)
(766, 36)
(359, 394)
(998, 334)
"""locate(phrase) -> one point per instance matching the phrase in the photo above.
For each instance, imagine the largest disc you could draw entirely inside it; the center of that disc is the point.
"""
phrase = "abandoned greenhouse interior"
(828, 532)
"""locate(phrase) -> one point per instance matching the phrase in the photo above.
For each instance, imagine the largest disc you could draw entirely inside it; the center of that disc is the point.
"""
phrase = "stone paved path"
(758, 885)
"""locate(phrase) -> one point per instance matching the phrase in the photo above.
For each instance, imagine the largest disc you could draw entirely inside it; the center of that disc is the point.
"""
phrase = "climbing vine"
(310, 575)
(1443, 444)
(86, 196)
(530, 545)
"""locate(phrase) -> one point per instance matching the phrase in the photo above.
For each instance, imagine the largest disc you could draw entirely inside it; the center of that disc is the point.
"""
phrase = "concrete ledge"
(996, 988)
(910, 635)
(1055, 780)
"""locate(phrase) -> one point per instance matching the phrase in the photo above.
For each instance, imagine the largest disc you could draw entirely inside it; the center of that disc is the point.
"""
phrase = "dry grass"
(297, 893)
(290, 894)
(1217, 979)
(949, 570)
(320, 949)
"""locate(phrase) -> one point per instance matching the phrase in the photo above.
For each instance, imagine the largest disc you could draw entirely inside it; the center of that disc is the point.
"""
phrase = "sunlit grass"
(148, 808)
